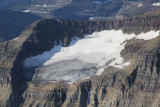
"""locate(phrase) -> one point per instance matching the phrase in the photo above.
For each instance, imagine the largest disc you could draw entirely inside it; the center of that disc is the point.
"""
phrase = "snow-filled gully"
(84, 58)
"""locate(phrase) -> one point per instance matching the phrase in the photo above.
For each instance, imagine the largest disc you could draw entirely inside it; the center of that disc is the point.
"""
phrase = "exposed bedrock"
(137, 85)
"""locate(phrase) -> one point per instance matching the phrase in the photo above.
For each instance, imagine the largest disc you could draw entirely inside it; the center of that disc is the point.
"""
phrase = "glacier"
(83, 58)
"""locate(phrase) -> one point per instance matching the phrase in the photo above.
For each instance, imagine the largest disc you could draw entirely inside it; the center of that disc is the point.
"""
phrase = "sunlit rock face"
(83, 58)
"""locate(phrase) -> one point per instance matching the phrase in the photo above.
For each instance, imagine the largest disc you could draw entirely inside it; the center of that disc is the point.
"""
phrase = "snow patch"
(44, 5)
(38, 11)
(140, 5)
(156, 4)
(85, 57)
(26, 11)
(148, 36)
(16, 38)
(37, 5)
(92, 18)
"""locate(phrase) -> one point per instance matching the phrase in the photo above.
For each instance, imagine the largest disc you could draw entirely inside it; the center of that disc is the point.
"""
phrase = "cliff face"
(136, 85)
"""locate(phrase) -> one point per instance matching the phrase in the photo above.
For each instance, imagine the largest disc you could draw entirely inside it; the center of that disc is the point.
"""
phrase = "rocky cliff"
(136, 85)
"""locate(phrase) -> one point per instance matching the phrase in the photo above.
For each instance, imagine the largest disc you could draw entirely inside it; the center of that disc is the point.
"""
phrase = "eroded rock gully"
(134, 86)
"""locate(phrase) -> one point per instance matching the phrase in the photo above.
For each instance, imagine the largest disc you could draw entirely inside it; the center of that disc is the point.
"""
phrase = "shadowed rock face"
(136, 85)
(12, 23)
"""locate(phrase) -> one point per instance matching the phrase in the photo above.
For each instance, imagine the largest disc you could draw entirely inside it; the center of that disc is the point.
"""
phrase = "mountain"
(17, 14)
(38, 7)
(85, 9)
(12, 23)
(127, 75)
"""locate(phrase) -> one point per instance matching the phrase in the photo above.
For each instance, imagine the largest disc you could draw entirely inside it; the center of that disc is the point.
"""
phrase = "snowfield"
(156, 4)
(140, 5)
(85, 57)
